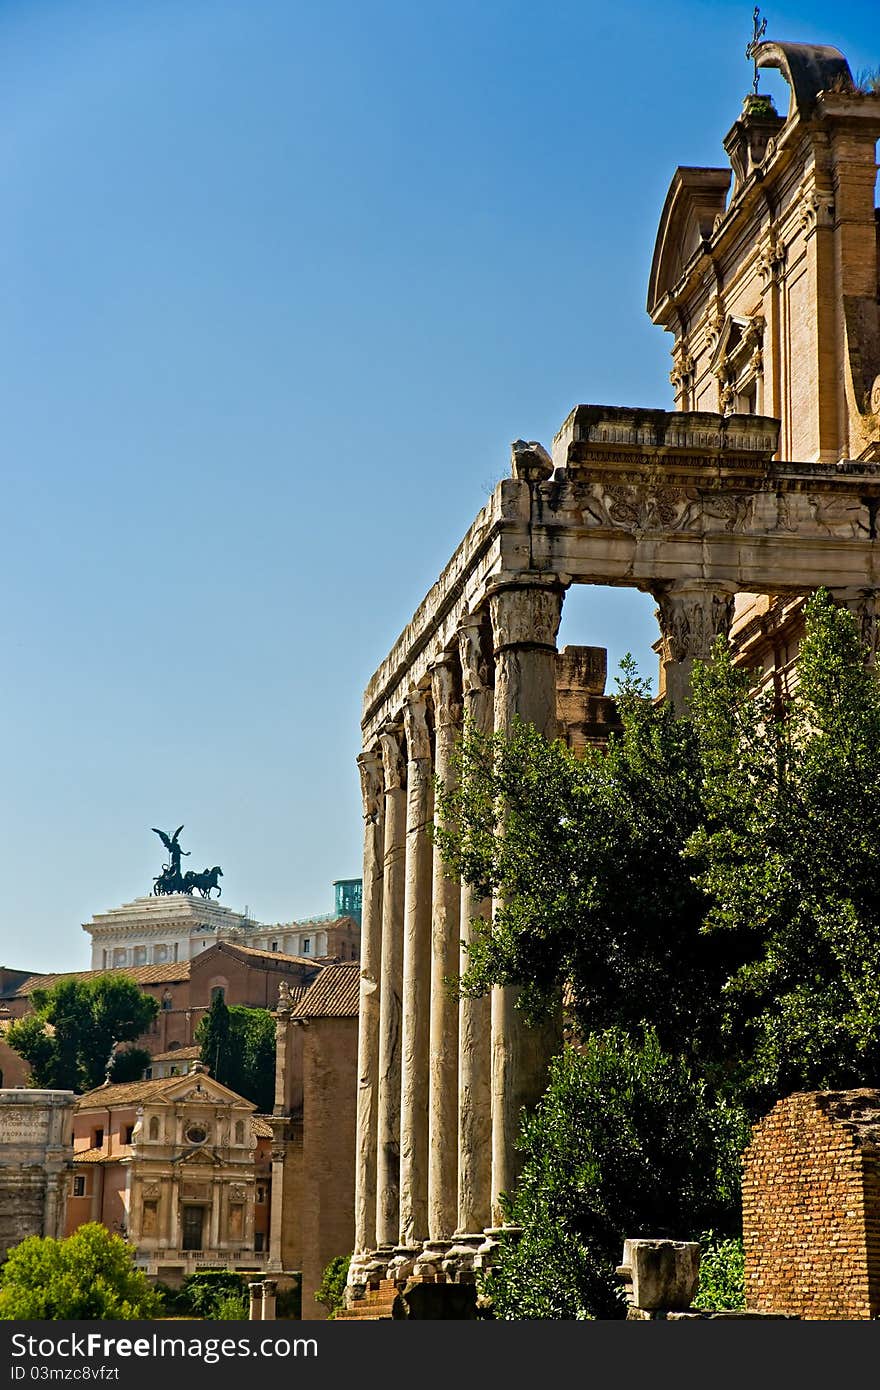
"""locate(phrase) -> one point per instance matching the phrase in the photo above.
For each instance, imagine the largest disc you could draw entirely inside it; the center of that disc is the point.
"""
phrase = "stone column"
(416, 980)
(525, 621)
(372, 790)
(390, 987)
(276, 1209)
(269, 1294)
(443, 1049)
(255, 1289)
(692, 614)
(474, 1056)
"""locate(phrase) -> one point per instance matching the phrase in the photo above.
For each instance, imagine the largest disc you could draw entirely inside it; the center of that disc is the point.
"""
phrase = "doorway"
(193, 1225)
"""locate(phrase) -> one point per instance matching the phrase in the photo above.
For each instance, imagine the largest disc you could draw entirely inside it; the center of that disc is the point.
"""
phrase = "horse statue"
(204, 882)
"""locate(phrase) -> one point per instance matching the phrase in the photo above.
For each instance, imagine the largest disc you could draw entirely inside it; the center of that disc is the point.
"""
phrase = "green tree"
(238, 1045)
(77, 1025)
(717, 877)
(89, 1275)
(331, 1290)
(625, 1141)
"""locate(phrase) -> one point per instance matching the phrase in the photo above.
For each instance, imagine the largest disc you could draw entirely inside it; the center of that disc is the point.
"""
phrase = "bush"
(89, 1275)
(203, 1294)
(331, 1291)
(722, 1272)
(625, 1142)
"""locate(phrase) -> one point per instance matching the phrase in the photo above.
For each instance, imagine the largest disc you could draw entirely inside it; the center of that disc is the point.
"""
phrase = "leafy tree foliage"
(89, 1275)
(331, 1290)
(77, 1025)
(625, 1140)
(722, 1272)
(715, 877)
(238, 1045)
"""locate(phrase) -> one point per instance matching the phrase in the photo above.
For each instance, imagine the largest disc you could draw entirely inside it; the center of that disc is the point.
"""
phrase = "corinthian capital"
(415, 723)
(446, 693)
(691, 617)
(525, 616)
(393, 761)
(370, 768)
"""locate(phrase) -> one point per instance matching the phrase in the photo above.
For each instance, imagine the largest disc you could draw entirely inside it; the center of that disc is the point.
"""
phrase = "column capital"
(475, 668)
(864, 604)
(526, 615)
(370, 768)
(393, 761)
(415, 724)
(692, 615)
(446, 692)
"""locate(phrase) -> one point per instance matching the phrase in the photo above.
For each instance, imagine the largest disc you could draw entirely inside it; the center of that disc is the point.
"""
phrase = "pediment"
(696, 199)
(736, 342)
(199, 1158)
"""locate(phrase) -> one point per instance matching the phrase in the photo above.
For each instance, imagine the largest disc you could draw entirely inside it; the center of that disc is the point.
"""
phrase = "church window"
(218, 992)
(196, 1134)
(239, 1131)
(79, 1185)
(307, 945)
(154, 1127)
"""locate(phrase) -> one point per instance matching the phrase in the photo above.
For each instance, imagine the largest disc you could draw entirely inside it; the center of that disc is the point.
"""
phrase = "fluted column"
(474, 1055)
(390, 990)
(692, 614)
(525, 621)
(416, 976)
(372, 791)
(446, 916)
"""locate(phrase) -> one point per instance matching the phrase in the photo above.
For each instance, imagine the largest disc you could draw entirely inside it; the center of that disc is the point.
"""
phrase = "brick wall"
(811, 1207)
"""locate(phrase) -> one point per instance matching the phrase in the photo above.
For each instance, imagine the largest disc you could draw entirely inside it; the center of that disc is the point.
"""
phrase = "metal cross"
(759, 29)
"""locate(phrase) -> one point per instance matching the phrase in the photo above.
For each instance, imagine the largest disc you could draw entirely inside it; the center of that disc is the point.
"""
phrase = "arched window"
(154, 1127)
(239, 1131)
(218, 992)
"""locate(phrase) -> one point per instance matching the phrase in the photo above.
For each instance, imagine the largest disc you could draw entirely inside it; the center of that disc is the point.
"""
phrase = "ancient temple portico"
(703, 509)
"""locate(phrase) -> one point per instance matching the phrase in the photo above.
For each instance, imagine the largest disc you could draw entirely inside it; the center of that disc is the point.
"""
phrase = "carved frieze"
(527, 616)
(839, 516)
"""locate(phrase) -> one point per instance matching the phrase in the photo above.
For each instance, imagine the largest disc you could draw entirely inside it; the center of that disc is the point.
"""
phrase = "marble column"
(416, 977)
(525, 621)
(372, 790)
(445, 919)
(390, 988)
(692, 614)
(474, 1056)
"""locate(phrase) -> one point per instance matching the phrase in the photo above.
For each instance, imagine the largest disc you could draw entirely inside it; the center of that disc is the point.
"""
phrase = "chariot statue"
(171, 880)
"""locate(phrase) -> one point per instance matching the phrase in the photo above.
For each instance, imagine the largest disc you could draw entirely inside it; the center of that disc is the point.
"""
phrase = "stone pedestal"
(36, 1156)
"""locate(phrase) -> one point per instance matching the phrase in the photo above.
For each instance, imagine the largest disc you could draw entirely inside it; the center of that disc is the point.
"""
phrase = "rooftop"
(335, 993)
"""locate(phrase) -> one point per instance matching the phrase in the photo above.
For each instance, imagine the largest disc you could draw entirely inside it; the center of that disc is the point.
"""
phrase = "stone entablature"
(35, 1157)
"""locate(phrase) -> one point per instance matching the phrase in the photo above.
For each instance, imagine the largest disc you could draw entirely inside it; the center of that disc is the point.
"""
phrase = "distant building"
(180, 1166)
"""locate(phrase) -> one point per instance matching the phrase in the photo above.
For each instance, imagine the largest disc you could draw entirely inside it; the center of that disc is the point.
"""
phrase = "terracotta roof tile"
(177, 1054)
(261, 1128)
(94, 1156)
(255, 951)
(126, 1093)
(143, 974)
(335, 993)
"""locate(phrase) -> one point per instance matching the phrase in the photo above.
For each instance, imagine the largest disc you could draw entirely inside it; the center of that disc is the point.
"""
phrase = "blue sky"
(280, 283)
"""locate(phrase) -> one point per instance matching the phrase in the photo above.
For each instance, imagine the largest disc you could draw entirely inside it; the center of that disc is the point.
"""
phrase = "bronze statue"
(171, 880)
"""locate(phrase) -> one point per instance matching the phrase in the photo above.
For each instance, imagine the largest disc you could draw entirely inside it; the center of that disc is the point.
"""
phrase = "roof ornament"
(759, 29)
(171, 880)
